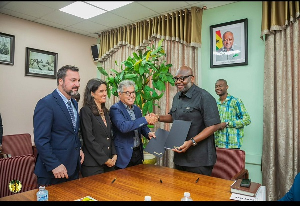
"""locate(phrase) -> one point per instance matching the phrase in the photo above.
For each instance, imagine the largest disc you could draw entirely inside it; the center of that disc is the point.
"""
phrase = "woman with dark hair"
(98, 147)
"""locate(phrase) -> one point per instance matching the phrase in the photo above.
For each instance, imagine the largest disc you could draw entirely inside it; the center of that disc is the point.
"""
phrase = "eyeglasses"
(182, 78)
(129, 93)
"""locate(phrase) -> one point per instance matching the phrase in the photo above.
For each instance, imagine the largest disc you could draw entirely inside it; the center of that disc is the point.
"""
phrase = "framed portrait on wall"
(229, 44)
(40, 63)
(7, 49)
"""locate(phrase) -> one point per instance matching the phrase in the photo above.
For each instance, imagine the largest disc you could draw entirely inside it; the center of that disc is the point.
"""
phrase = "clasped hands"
(151, 118)
(111, 161)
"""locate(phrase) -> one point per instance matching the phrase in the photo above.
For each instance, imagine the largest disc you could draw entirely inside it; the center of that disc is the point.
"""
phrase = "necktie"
(70, 109)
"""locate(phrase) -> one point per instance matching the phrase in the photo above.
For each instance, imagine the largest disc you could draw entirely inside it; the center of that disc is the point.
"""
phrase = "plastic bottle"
(147, 198)
(42, 194)
(187, 197)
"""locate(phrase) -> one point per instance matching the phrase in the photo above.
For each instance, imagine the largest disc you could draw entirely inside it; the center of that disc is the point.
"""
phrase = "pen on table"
(197, 179)
(113, 180)
(160, 181)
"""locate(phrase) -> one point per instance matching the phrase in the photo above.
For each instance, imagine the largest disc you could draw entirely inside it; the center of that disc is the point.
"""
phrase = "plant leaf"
(102, 71)
(160, 85)
(129, 76)
(115, 71)
(128, 64)
(148, 55)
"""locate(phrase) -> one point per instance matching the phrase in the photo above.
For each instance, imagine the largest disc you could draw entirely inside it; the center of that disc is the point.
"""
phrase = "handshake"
(152, 118)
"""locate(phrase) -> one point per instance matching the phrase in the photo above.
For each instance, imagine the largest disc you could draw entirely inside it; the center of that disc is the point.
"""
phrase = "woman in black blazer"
(98, 146)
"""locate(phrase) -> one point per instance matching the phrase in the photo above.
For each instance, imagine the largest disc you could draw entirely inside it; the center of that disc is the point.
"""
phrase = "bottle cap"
(187, 194)
(148, 198)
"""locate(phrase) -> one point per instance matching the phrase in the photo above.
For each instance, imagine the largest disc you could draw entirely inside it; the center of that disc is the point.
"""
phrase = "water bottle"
(147, 198)
(42, 194)
(187, 197)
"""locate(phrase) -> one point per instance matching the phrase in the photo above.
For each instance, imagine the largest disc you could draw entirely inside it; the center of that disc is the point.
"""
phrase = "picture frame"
(40, 63)
(7, 48)
(229, 44)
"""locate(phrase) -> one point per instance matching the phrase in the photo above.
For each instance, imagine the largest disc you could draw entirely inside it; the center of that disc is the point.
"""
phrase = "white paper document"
(261, 195)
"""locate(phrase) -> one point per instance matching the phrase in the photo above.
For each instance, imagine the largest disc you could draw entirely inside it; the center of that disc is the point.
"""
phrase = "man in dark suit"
(56, 123)
(128, 124)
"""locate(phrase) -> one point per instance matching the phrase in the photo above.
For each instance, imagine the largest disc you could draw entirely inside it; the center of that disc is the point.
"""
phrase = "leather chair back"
(17, 144)
(17, 175)
(230, 164)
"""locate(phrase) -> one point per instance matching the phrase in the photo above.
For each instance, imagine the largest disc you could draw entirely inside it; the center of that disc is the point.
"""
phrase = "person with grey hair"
(56, 124)
(128, 125)
(98, 146)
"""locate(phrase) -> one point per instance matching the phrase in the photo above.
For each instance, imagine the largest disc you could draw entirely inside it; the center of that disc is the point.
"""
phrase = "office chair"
(17, 144)
(230, 164)
(17, 175)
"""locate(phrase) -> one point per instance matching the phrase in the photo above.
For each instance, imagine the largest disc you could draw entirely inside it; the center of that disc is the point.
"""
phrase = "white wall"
(19, 93)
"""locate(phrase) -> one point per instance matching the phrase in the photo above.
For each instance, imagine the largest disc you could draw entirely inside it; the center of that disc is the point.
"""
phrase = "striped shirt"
(233, 111)
(136, 139)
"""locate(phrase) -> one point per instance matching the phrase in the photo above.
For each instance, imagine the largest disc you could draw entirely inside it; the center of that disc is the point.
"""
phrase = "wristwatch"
(226, 124)
(194, 142)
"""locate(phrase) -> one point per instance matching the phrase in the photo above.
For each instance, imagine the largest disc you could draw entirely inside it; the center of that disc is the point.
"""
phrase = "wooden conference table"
(134, 183)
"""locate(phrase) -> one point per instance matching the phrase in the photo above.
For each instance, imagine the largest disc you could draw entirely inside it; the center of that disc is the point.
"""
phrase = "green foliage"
(143, 68)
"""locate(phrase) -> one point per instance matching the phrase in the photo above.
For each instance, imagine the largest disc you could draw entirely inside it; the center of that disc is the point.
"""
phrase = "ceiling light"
(82, 10)
(109, 5)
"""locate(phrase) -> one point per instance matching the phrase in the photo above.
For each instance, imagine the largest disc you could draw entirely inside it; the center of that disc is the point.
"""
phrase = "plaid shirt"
(233, 111)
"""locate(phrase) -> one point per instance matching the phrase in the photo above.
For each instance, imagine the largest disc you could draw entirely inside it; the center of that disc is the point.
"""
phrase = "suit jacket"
(294, 193)
(98, 145)
(123, 131)
(55, 139)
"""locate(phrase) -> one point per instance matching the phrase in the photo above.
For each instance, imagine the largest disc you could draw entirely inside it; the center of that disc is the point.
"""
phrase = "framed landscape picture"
(40, 63)
(229, 44)
(7, 49)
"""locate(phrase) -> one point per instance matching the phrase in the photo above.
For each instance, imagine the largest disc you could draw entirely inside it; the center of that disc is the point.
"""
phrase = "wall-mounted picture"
(229, 44)
(7, 48)
(40, 63)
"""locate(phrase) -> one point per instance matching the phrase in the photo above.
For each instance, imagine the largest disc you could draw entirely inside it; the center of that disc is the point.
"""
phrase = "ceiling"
(47, 13)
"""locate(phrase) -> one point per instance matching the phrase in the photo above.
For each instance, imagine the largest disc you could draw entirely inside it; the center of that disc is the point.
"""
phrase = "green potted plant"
(143, 68)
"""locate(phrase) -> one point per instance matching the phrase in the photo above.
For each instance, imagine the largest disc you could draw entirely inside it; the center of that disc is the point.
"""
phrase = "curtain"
(183, 26)
(276, 15)
(280, 156)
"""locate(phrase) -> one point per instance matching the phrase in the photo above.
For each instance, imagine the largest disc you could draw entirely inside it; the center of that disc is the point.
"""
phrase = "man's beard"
(186, 88)
(70, 92)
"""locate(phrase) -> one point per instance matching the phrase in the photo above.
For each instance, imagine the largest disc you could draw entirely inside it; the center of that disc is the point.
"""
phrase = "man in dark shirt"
(191, 103)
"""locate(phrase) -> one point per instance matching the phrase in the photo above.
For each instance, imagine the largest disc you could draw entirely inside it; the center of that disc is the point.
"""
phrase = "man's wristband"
(226, 124)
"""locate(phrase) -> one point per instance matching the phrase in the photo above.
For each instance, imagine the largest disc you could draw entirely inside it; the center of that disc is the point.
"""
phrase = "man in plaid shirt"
(234, 117)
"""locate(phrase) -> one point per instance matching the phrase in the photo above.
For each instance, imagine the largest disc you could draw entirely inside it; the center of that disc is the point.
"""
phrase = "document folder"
(156, 146)
(168, 140)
